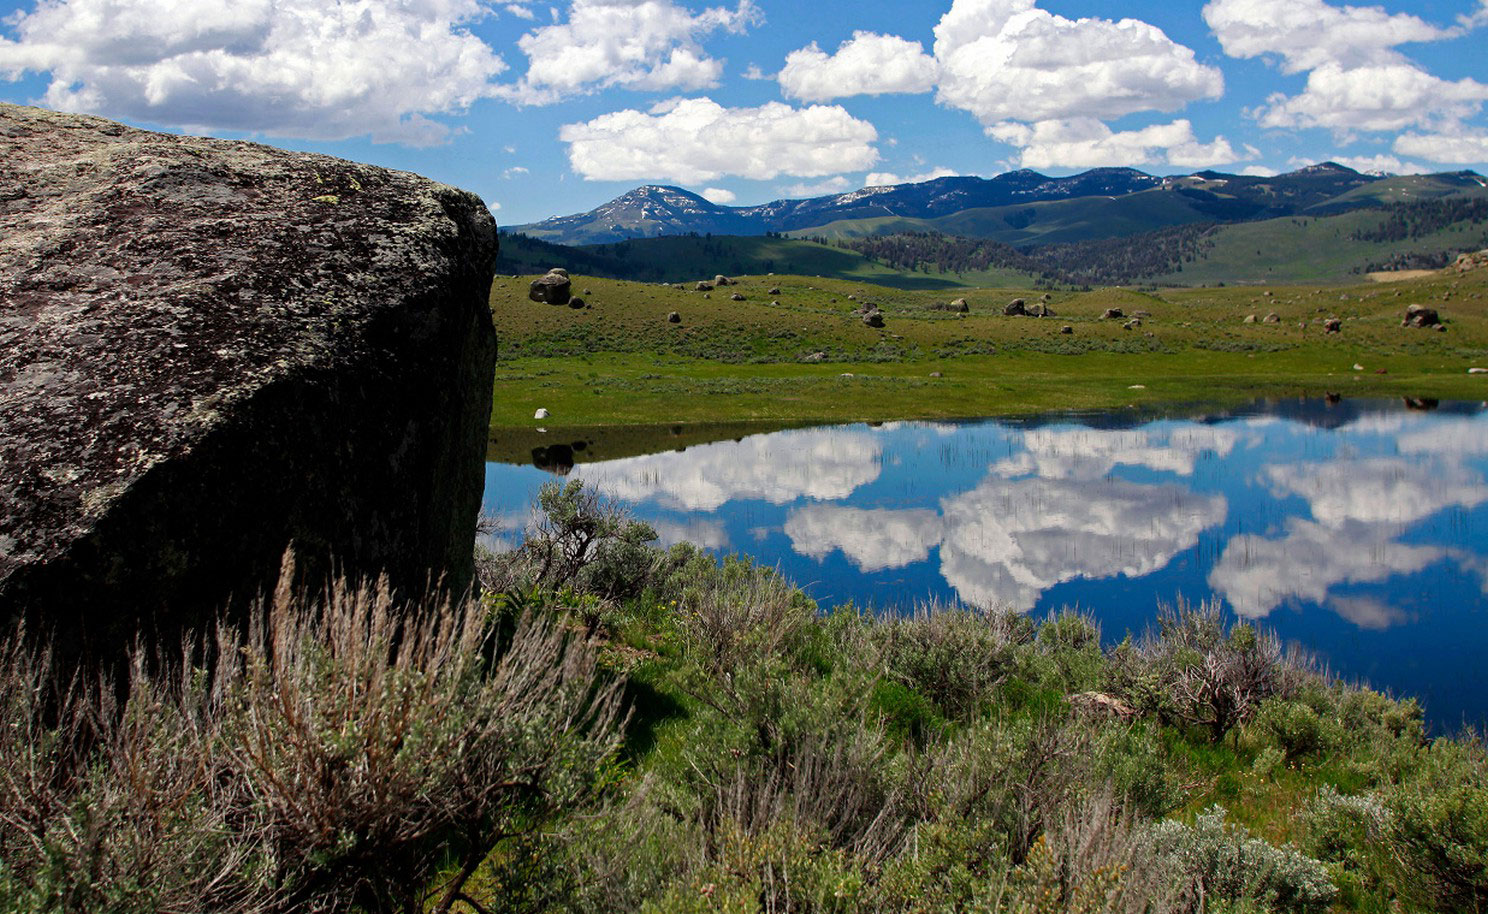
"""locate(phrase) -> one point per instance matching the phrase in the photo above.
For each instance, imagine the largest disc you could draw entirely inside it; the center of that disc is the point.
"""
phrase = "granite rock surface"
(210, 350)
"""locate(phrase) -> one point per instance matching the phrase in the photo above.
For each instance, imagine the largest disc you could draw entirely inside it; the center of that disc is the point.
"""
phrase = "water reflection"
(1357, 528)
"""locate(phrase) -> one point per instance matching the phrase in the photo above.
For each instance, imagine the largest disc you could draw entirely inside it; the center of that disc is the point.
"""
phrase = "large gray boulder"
(212, 350)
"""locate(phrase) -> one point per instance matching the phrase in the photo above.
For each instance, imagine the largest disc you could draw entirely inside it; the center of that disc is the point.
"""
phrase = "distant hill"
(1020, 207)
(1427, 231)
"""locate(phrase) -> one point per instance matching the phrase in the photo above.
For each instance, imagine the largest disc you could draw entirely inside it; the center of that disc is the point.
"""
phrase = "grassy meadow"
(803, 354)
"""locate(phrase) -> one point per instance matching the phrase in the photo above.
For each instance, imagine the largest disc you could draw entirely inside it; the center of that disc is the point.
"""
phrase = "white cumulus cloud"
(1007, 60)
(1378, 97)
(696, 140)
(833, 185)
(1464, 146)
(719, 195)
(280, 67)
(869, 64)
(1087, 142)
(1357, 80)
(1307, 34)
(634, 44)
(1380, 164)
(887, 178)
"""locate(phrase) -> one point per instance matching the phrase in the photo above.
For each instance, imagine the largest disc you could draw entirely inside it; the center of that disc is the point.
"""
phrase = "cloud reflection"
(822, 464)
(1005, 542)
(1084, 453)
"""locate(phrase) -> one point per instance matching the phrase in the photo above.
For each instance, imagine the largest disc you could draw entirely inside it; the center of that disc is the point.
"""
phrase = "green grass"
(619, 362)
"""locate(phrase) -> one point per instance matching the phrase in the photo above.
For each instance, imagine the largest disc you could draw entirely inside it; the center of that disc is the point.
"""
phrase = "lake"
(1356, 529)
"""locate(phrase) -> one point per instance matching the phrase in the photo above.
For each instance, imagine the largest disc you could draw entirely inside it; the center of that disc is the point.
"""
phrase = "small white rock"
(540, 414)
(1477, 371)
(1358, 367)
(1136, 387)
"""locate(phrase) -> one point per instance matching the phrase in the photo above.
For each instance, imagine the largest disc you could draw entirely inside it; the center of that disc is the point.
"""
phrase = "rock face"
(210, 350)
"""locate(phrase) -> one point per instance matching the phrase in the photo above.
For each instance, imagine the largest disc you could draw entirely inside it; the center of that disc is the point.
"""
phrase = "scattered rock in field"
(1249, 319)
(1066, 329)
(1268, 293)
(1441, 328)
(1420, 316)
(1014, 308)
(1477, 371)
(541, 413)
(775, 303)
(721, 280)
(576, 303)
(852, 298)
(1472, 261)
(1382, 371)
(736, 297)
(1039, 311)
(1112, 314)
(552, 289)
(1272, 318)
(1358, 367)
(703, 286)
(674, 318)
(559, 270)
(960, 305)
(1332, 325)
(1132, 324)
(1048, 297)
(774, 291)
(1136, 387)
(1142, 314)
(935, 374)
(873, 319)
(588, 292)
(815, 357)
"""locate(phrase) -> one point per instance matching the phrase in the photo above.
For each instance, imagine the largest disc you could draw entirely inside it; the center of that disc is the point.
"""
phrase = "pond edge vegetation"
(610, 726)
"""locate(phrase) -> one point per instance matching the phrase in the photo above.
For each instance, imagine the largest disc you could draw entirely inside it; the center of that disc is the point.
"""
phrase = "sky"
(551, 108)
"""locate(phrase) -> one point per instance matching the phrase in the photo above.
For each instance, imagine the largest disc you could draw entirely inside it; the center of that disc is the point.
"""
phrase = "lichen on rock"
(212, 350)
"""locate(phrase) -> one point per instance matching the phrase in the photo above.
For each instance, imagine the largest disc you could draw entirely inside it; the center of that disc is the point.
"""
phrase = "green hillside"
(1080, 219)
(687, 258)
(1311, 250)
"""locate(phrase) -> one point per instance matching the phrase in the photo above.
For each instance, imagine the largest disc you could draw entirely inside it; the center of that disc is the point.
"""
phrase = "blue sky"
(551, 108)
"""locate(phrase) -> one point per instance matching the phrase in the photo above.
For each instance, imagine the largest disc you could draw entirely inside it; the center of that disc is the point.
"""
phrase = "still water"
(1357, 529)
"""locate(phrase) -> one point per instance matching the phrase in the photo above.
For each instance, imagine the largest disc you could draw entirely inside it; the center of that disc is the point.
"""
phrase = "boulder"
(1421, 316)
(1474, 261)
(559, 271)
(703, 287)
(553, 288)
(721, 280)
(1039, 310)
(214, 350)
(1113, 314)
(1132, 324)
(1332, 325)
(542, 413)
(961, 306)
(1249, 319)
(1272, 318)
(1014, 307)
(773, 291)
(1066, 329)
(674, 318)
(873, 319)
(1099, 705)
(814, 357)
(736, 297)
(577, 303)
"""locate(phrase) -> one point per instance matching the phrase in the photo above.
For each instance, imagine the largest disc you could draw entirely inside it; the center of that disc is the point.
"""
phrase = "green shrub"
(1440, 835)
(337, 754)
(1297, 729)
(1210, 861)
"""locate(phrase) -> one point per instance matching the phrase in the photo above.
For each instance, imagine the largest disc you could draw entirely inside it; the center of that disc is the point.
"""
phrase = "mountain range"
(1020, 207)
